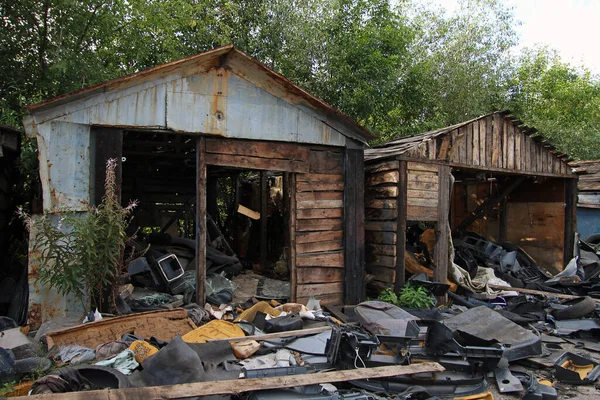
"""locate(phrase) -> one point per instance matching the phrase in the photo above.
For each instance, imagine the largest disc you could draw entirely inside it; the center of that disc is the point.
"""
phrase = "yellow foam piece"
(142, 350)
(215, 329)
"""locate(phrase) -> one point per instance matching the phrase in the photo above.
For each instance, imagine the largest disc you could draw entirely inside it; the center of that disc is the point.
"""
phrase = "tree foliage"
(398, 67)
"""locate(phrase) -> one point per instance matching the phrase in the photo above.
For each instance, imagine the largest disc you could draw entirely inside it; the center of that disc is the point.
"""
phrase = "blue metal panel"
(588, 221)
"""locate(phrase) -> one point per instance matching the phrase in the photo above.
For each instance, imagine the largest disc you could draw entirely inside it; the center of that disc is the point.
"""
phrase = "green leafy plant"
(388, 296)
(409, 297)
(82, 253)
(415, 297)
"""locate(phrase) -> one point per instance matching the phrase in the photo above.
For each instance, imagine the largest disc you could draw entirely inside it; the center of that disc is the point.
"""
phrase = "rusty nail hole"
(219, 115)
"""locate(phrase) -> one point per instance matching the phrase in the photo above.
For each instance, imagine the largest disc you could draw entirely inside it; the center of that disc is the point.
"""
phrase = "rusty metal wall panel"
(44, 302)
(64, 158)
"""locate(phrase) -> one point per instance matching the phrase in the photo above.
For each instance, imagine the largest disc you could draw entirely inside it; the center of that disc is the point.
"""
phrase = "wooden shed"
(491, 175)
(180, 127)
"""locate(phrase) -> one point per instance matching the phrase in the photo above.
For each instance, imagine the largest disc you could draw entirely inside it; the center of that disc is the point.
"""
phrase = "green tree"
(562, 101)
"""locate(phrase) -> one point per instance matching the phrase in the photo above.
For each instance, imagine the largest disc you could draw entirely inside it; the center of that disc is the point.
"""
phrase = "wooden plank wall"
(381, 210)
(319, 228)
(538, 227)
(494, 143)
(317, 238)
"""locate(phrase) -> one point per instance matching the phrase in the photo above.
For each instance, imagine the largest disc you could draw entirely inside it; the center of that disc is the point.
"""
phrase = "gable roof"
(239, 63)
(495, 141)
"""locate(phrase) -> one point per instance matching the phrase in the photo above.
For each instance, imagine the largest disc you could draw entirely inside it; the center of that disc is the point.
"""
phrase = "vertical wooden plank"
(518, 136)
(469, 140)
(532, 157)
(462, 142)
(497, 143)
(570, 218)
(475, 131)
(510, 144)
(402, 201)
(200, 220)
(538, 155)
(291, 194)
(354, 223)
(482, 138)
(441, 251)
(504, 155)
(106, 143)
(489, 138)
(264, 201)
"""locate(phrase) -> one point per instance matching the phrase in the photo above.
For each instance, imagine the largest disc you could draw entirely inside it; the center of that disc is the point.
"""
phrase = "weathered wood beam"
(200, 219)
(489, 203)
(402, 204)
(238, 386)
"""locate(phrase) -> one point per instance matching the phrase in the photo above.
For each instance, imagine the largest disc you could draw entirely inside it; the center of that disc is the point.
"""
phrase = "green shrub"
(409, 297)
(83, 253)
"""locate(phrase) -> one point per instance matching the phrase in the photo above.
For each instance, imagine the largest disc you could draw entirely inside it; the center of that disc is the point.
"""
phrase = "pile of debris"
(532, 346)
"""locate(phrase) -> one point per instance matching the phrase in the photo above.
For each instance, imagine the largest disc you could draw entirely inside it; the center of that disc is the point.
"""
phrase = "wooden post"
(354, 226)
(441, 251)
(401, 226)
(200, 220)
(291, 195)
(570, 218)
(264, 199)
(106, 143)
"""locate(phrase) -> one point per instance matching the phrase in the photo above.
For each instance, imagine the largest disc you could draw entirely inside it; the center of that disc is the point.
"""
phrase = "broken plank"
(316, 196)
(268, 164)
(286, 151)
(324, 224)
(385, 261)
(381, 166)
(309, 204)
(320, 178)
(381, 203)
(319, 186)
(380, 214)
(319, 213)
(330, 259)
(312, 237)
(383, 177)
(381, 249)
(324, 245)
(316, 289)
(377, 192)
(385, 226)
(324, 299)
(319, 275)
(380, 237)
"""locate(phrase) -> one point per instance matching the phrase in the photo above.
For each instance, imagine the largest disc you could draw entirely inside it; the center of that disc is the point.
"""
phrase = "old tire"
(594, 239)
(576, 309)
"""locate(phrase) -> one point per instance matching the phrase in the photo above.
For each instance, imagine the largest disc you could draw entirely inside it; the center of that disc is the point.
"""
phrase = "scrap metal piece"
(488, 325)
(506, 381)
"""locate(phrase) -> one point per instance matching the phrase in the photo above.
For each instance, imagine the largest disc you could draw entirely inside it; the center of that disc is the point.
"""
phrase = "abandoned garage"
(490, 175)
(218, 149)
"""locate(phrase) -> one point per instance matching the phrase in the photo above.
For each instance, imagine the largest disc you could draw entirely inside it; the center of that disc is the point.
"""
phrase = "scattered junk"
(244, 275)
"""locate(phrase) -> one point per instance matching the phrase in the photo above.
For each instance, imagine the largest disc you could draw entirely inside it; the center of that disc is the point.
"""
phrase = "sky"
(572, 27)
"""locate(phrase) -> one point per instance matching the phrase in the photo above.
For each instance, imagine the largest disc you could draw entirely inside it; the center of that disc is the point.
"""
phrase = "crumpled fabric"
(282, 358)
(66, 380)
(123, 362)
(109, 350)
(479, 285)
(76, 354)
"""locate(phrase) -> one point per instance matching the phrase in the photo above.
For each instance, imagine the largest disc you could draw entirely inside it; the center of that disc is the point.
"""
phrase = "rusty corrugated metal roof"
(227, 56)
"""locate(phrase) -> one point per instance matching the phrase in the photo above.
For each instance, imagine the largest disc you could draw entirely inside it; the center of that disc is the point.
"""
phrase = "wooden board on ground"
(163, 324)
(239, 386)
